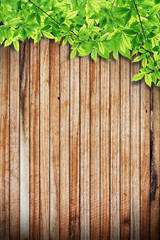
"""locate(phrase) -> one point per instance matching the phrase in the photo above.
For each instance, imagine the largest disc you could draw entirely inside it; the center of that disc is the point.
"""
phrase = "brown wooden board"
(95, 148)
(34, 141)
(54, 140)
(14, 145)
(64, 142)
(44, 139)
(24, 140)
(85, 148)
(135, 156)
(4, 143)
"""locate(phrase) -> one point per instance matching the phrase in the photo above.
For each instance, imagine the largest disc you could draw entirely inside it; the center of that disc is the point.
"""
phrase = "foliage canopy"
(91, 27)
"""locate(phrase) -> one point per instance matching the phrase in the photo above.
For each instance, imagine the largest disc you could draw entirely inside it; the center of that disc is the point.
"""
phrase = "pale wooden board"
(24, 140)
(64, 142)
(105, 149)
(74, 148)
(135, 155)
(145, 160)
(54, 140)
(155, 165)
(125, 148)
(4, 143)
(14, 144)
(34, 140)
(95, 149)
(85, 149)
(115, 149)
(44, 139)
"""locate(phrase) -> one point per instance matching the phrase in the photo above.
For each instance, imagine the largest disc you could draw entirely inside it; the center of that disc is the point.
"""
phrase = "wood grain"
(14, 145)
(115, 149)
(44, 139)
(145, 160)
(4, 143)
(64, 142)
(155, 165)
(95, 149)
(34, 141)
(24, 140)
(54, 140)
(85, 149)
(74, 148)
(135, 155)
(79, 147)
(105, 149)
(125, 148)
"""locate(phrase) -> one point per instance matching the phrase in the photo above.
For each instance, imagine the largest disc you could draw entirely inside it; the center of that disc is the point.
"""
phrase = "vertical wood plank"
(115, 149)
(34, 140)
(85, 150)
(14, 144)
(24, 140)
(155, 165)
(4, 143)
(54, 140)
(44, 139)
(105, 149)
(125, 148)
(74, 148)
(95, 161)
(135, 155)
(64, 142)
(145, 160)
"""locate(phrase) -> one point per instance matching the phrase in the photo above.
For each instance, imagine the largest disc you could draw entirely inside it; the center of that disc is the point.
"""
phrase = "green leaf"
(94, 54)
(38, 18)
(73, 53)
(144, 62)
(139, 58)
(154, 78)
(8, 42)
(101, 47)
(31, 17)
(148, 45)
(16, 45)
(64, 41)
(148, 79)
(138, 77)
(48, 35)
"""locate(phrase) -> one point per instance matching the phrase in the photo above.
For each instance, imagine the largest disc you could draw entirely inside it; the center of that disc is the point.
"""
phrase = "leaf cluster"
(97, 27)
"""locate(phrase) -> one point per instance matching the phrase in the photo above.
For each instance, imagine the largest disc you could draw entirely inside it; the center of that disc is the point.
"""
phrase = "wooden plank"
(44, 139)
(74, 148)
(105, 149)
(14, 144)
(135, 155)
(95, 154)
(115, 149)
(145, 160)
(54, 140)
(125, 148)
(34, 140)
(85, 150)
(4, 143)
(24, 140)
(64, 142)
(155, 161)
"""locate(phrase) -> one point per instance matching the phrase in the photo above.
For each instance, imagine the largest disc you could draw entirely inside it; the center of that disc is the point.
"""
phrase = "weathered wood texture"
(79, 147)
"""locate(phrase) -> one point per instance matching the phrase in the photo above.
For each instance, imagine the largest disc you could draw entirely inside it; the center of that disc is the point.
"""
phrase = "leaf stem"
(139, 18)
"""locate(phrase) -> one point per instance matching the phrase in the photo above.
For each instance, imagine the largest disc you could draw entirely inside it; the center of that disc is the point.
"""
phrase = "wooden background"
(79, 147)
